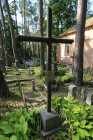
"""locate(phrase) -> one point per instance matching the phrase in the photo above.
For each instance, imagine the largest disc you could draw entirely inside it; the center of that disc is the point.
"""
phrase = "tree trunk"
(33, 44)
(12, 35)
(24, 19)
(2, 49)
(41, 33)
(15, 14)
(79, 42)
(6, 52)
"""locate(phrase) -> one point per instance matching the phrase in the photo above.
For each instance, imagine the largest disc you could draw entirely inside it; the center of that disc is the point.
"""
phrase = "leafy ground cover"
(20, 125)
(76, 119)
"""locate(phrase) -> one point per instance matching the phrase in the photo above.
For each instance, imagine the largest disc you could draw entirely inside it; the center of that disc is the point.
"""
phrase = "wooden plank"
(16, 80)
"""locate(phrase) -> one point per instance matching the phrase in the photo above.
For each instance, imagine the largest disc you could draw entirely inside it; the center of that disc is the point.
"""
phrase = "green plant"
(42, 79)
(39, 72)
(20, 125)
(78, 117)
(67, 77)
(58, 80)
(87, 78)
(61, 70)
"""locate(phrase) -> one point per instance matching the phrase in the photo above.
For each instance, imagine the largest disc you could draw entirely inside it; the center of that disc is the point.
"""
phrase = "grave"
(72, 91)
(51, 115)
(89, 99)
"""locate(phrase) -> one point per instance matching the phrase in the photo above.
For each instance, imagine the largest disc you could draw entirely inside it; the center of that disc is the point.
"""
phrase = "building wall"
(88, 49)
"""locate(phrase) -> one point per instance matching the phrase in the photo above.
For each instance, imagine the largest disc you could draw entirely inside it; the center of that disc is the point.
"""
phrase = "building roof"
(89, 22)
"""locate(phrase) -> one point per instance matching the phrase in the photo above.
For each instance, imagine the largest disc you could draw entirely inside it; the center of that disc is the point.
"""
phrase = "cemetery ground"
(76, 118)
(36, 98)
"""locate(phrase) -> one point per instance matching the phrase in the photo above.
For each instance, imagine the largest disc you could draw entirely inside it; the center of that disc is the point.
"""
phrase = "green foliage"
(64, 78)
(39, 72)
(42, 79)
(61, 71)
(64, 13)
(40, 86)
(20, 125)
(78, 117)
(67, 77)
(87, 77)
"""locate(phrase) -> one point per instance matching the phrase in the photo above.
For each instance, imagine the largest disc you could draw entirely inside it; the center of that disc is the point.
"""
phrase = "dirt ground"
(36, 99)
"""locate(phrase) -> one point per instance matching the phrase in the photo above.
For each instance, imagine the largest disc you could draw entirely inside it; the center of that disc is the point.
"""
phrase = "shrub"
(87, 78)
(67, 77)
(61, 70)
(39, 72)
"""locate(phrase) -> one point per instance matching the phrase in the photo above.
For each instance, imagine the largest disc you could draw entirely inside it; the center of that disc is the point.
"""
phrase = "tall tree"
(2, 48)
(79, 43)
(6, 52)
(64, 13)
(12, 35)
(15, 13)
(41, 33)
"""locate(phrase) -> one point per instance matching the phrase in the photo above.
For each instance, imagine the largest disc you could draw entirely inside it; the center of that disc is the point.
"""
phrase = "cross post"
(49, 40)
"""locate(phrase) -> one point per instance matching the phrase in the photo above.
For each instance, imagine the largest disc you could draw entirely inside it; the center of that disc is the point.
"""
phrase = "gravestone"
(83, 95)
(72, 91)
(49, 40)
(89, 99)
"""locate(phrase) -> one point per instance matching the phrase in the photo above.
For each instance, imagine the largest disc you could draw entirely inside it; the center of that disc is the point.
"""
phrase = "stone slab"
(89, 99)
(50, 120)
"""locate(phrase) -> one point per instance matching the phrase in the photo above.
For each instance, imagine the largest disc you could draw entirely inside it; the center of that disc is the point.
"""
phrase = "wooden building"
(65, 51)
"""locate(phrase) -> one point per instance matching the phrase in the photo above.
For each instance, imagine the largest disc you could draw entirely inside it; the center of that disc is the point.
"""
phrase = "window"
(66, 49)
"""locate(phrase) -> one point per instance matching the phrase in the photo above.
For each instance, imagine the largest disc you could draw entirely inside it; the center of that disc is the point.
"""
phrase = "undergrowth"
(20, 125)
(76, 117)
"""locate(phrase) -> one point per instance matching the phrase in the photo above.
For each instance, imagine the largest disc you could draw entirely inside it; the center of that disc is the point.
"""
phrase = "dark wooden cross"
(49, 40)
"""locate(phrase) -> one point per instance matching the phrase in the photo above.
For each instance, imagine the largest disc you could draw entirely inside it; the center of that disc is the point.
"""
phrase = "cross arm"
(67, 41)
(32, 38)
(43, 39)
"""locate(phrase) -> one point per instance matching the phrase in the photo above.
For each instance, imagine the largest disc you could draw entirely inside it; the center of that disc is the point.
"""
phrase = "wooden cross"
(49, 40)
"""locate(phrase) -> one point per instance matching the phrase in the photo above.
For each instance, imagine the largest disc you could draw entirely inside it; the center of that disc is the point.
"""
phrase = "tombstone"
(48, 116)
(89, 99)
(83, 95)
(72, 91)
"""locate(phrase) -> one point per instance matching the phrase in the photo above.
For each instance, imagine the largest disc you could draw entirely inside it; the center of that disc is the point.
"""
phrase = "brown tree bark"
(12, 35)
(79, 42)
(41, 33)
(2, 49)
(6, 52)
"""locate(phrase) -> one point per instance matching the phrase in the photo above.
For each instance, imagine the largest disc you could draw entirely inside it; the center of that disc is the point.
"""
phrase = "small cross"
(49, 40)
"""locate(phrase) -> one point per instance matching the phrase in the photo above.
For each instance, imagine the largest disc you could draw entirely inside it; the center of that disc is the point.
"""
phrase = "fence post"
(33, 85)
